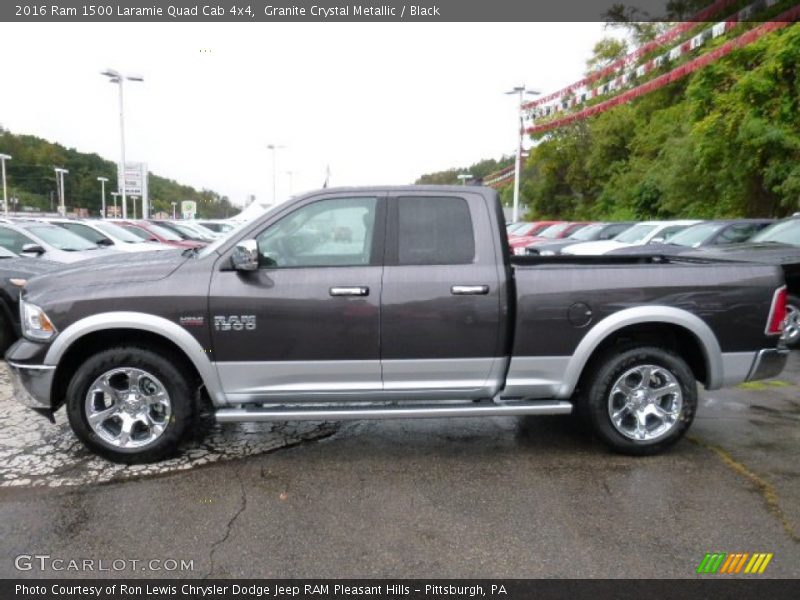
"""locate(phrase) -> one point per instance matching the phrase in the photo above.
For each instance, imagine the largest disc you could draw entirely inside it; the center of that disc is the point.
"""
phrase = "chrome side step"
(391, 411)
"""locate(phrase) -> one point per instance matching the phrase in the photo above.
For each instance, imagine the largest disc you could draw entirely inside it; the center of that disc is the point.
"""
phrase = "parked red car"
(155, 233)
(528, 229)
(556, 231)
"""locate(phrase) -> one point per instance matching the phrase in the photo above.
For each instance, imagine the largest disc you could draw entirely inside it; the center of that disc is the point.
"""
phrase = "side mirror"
(245, 256)
(105, 242)
(33, 249)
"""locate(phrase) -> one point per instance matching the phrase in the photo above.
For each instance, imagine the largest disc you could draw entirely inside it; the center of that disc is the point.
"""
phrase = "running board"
(393, 411)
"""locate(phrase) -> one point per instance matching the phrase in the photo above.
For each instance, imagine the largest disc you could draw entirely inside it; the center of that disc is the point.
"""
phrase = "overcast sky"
(380, 103)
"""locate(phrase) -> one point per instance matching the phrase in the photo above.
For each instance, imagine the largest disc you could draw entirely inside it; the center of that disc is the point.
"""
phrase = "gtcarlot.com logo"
(723, 563)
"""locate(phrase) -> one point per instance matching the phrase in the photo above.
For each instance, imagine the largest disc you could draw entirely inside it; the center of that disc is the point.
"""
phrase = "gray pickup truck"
(388, 302)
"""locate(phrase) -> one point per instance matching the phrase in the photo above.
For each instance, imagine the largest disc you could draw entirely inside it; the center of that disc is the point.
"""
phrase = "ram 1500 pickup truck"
(388, 302)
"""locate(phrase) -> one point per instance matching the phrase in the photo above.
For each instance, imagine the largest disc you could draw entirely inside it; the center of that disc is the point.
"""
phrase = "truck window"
(330, 233)
(434, 231)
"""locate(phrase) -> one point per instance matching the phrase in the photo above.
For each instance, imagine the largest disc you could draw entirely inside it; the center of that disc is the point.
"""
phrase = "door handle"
(350, 291)
(469, 290)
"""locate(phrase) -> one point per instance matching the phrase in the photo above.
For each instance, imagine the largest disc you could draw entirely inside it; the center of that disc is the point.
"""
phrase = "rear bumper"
(33, 385)
(768, 363)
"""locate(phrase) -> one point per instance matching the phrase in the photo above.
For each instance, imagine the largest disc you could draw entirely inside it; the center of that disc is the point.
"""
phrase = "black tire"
(601, 377)
(166, 369)
(792, 310)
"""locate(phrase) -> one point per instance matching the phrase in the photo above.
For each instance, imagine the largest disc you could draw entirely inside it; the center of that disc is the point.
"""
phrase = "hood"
(114, 268)
(593, 248)
(763, 252)
(27, 267)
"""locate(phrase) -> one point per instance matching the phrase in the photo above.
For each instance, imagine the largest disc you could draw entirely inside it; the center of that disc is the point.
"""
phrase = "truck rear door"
(444, 298)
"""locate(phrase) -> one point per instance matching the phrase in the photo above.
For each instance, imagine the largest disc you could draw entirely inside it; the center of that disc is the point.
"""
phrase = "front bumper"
(768, 363)
(33, 385)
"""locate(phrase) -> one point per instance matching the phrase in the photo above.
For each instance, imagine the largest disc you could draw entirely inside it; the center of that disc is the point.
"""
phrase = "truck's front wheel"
(129, 405)
(641, 400)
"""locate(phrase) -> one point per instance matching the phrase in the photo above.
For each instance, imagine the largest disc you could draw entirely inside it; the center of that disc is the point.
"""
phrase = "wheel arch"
(674, 328)
(113, 329)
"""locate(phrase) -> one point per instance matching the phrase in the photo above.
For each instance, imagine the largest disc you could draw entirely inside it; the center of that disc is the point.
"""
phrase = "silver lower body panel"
(392, 411)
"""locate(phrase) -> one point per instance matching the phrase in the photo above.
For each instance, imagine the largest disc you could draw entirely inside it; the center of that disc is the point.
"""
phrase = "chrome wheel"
(791, 326)
(128, 408)
(645, 403)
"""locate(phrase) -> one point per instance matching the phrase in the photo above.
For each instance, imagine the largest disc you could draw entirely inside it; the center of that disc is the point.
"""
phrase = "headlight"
(35, 324)
(547, 253)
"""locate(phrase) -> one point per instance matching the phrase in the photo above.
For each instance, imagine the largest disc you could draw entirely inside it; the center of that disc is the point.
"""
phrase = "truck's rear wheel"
(129, 405)
(641, 400)
(791, 327)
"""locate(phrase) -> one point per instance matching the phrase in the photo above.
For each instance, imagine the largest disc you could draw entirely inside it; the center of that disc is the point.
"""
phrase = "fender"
(145, 322)
(641, 315)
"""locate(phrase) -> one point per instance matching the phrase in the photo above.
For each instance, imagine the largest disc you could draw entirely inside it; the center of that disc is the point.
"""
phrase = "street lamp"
(114, 196)
(174, 205)
(119, 78)
(464, 176)
(275, 148)
(62, 210)
(520, 90)
(103, 181)
(3, 159)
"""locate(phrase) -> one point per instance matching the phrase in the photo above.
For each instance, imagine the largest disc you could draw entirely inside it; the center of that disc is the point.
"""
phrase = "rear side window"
(434, 231)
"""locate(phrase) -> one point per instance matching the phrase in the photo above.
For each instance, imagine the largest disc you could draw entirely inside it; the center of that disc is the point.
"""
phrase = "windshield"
(785, 232)
(164, 232)
(694, 236)
(514, 227)
(553, 231)
(187, 230)
(587, 233)
(635, 234)
(61, 238)
(118, 233)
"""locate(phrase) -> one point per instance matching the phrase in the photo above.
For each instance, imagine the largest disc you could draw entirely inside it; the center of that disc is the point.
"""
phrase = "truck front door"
(305, 325)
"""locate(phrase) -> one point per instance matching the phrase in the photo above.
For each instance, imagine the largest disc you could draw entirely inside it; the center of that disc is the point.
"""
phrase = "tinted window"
(434, 231)
(784, 232)
(13, 240)
(695, 235)
(84, 231)
(328, 233)
(668, 232)
(740, 232)
(61, 238)
(614, 230)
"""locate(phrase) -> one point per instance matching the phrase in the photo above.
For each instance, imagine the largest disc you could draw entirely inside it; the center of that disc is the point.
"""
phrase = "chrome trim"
(469, 290)
(351, 412)
(768, 363)
(145, 322)
(24, 366)
(636, 316)
(736, 366)
(350, 291)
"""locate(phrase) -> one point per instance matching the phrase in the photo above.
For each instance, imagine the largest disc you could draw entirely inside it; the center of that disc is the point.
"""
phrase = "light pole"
(174, 205)
(119, 78)
(3, 159)
(62, 210)
(521, 90)
(114, 196)
(102, 181)
(464, 176)
(275, 148)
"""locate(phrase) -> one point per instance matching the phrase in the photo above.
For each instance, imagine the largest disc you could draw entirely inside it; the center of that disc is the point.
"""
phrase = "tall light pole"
(463, 177)
(119, 78)
(174, 205)
(102, 181)
(114, 196)
(275, 148)
(3, 159)
(521, 90)
(62, 209)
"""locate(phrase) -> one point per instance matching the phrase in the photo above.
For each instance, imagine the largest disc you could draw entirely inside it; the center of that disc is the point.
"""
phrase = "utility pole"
(521, 90)
(62, 209)
(3, 159)
(102, 181)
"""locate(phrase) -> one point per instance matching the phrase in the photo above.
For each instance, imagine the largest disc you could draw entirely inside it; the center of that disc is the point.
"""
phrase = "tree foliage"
(31, 179)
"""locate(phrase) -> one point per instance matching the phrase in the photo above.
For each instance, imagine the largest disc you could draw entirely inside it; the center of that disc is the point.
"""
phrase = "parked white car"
(643, 233)
(103, 233)
(44, 240)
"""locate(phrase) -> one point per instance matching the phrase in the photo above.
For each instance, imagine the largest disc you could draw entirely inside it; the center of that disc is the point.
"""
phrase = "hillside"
(723, 141)
(31, 179)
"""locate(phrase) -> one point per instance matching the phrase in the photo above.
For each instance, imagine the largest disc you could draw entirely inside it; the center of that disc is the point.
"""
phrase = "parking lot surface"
(499, 497)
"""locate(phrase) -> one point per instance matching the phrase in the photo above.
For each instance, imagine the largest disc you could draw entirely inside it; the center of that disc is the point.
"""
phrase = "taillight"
(777, 313)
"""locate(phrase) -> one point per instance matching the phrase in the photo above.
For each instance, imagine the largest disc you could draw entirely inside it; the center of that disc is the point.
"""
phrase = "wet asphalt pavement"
(498, 497)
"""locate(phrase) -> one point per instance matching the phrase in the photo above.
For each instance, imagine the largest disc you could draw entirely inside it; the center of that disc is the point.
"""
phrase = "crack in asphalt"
(229, 526)
(764, 488)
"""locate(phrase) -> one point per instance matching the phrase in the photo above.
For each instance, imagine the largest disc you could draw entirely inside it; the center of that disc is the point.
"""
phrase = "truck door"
(305, 325)
(444, 300)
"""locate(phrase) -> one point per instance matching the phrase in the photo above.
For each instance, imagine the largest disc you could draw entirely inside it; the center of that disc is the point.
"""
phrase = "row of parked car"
(745, 240)
(30, 247)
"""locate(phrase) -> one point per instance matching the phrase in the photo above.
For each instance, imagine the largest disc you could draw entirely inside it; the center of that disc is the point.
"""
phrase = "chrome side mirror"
(245, 256)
